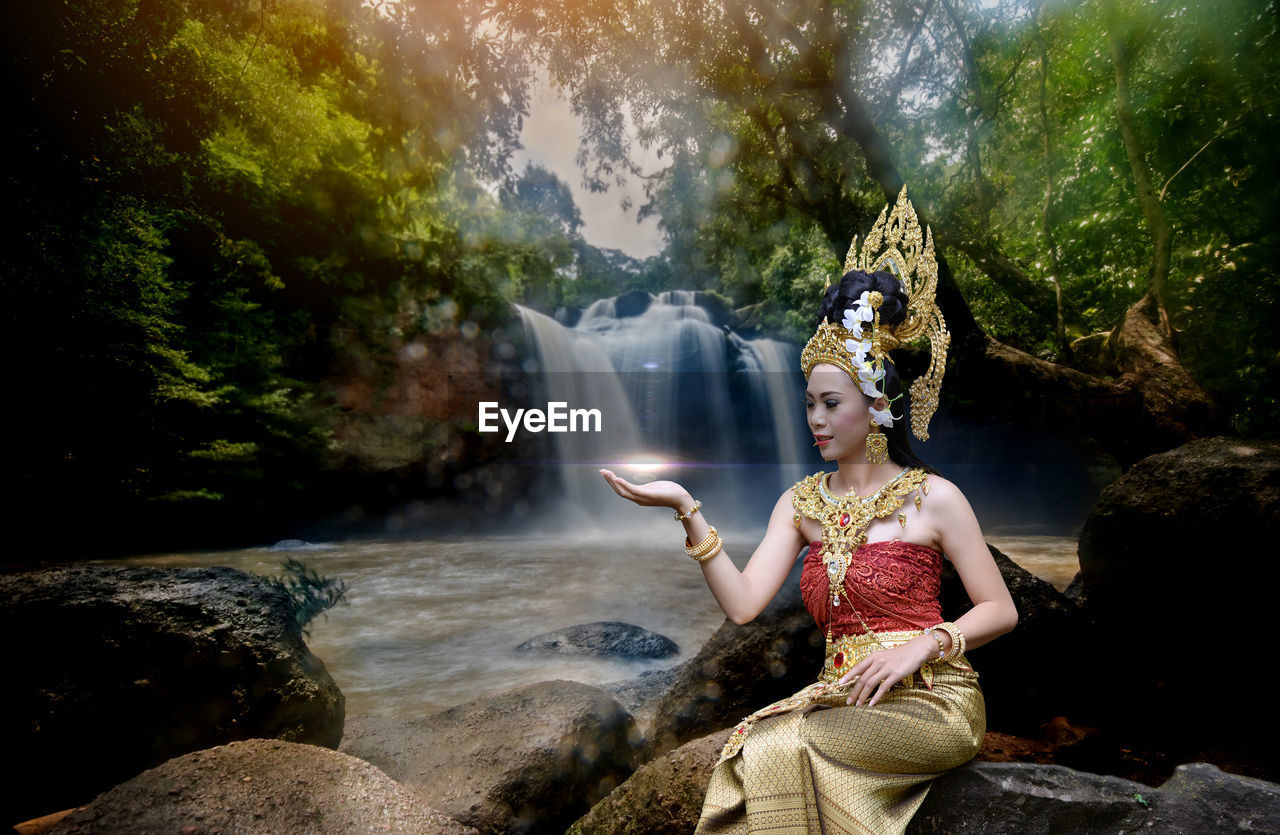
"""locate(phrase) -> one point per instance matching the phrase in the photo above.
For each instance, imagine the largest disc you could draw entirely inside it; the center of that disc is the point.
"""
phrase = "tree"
(818, 111)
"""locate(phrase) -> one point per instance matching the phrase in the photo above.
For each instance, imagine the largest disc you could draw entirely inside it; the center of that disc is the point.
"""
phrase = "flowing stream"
(433, 623)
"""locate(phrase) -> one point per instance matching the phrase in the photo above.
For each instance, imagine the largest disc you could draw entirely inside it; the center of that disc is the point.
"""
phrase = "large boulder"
(113, 670)
(605, 639)
(531, 760)
(1024, 682)
(1018, 798)
(1179, 572)
(261, 785)
(739, 670)
(664, 795)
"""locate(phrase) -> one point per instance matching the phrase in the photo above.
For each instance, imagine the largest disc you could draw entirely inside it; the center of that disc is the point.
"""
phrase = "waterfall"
(724, 415)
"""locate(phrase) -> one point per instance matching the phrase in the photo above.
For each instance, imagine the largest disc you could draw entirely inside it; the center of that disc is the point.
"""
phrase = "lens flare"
(645, 464)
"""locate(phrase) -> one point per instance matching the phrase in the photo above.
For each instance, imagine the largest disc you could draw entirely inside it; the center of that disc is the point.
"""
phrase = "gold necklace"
(845, 521)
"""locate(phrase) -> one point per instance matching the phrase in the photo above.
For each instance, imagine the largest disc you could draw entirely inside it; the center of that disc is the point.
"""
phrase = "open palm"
(654, 494)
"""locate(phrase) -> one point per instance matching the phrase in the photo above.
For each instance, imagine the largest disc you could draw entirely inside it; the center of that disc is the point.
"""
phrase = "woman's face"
(837, 412)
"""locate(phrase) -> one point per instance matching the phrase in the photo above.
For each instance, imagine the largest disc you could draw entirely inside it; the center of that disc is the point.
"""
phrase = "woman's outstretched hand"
(654, 494)
(882, 669)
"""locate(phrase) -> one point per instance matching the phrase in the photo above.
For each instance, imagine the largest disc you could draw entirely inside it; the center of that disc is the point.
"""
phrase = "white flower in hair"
(883, 417)
(858, 350)
(865, 311)
(853, 320)
(868, 376)
(869, 371)
(861, 312)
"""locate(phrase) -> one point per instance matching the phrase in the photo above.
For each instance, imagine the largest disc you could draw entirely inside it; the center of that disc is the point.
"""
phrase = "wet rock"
(715, 305)
(531, 760)
(298, 545)
(740, 669)
(605, 639)
(568, 316)
(261, 785)
(639, 696)
(632, 303)
(1016, 798)
(113, 670)
(664, 795)
(1178, 564)
(1200, 797)
(1075, 590)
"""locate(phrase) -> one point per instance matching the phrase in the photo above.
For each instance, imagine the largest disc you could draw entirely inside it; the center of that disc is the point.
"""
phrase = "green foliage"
(310, 593)
(215, 204)
(203, 195)
(1000, 117)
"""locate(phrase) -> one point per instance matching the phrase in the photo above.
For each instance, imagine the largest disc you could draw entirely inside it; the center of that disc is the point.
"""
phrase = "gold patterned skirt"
(812, 764)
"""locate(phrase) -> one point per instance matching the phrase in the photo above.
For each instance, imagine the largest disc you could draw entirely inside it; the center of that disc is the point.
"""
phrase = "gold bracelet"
(932, 632)
(680, 517)
(719, 546)
(957, 640)
(702, 547)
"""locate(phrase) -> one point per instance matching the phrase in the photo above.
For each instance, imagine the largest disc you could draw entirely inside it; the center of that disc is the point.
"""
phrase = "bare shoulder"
(945, 490)
(784, 504)
(948, 502)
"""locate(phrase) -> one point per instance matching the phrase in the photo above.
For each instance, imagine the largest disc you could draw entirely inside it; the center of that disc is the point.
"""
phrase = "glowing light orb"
(645, 464)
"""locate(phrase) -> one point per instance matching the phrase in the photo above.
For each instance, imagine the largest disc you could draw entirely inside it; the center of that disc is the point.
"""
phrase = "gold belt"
(845, 652)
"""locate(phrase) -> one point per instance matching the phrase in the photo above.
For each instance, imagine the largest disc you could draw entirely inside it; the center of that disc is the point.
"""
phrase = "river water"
(432, 623)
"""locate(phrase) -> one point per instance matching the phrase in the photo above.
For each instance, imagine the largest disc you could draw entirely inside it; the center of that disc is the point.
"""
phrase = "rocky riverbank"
(117, 669)
(180, 671)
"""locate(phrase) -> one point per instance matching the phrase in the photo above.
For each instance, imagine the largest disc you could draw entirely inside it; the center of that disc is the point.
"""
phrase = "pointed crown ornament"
(897, 246)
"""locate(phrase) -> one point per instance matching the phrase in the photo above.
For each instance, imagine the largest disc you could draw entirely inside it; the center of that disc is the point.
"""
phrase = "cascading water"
(724, 415)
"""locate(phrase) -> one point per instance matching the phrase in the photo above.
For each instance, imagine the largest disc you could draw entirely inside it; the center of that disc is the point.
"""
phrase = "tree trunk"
(1046, 214)
(1152, 209)
(1148, 364)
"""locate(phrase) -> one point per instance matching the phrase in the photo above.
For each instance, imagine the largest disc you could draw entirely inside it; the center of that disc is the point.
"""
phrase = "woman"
(897, 702)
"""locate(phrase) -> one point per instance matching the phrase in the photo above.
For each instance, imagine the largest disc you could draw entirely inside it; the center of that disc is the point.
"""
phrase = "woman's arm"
(993, 613)
(741, 594)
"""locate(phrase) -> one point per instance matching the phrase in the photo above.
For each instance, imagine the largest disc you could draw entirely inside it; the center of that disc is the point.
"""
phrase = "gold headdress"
(894, 245)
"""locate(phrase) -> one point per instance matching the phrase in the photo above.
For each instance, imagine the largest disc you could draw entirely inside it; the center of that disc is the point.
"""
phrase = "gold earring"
(877, 451)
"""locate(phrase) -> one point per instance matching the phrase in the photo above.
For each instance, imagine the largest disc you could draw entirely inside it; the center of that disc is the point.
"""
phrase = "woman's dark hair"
(893, 311)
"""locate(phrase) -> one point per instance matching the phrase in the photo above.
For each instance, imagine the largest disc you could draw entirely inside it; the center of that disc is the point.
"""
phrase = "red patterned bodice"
(893, 584)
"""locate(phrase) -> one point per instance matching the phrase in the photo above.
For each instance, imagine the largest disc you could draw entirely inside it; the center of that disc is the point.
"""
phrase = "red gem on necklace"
(838, 660)
(844, 521)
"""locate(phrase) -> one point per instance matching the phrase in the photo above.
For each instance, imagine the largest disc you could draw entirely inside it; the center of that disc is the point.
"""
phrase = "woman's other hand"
(884, 668)
(654, 494)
